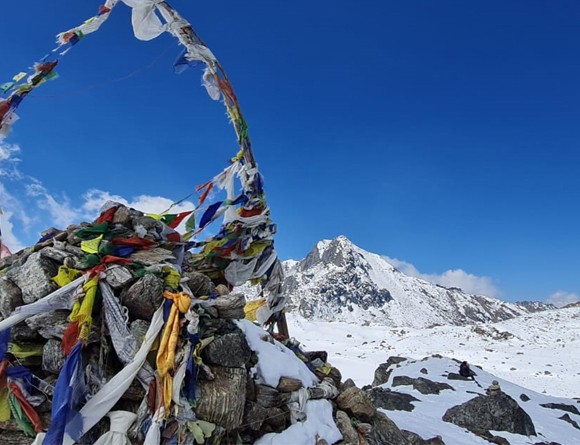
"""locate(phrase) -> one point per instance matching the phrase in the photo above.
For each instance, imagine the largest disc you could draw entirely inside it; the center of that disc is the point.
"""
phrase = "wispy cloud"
(451, 278)
(562, 298)
(94, 199)
(61, 212)
(9, 160)
(30, 207)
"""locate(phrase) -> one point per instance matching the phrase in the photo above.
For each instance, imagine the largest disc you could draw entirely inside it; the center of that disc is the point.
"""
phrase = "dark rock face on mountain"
(338, 281)
(498, 412)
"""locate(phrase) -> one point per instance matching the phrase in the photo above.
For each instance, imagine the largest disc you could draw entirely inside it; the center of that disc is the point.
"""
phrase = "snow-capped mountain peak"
(339, 281)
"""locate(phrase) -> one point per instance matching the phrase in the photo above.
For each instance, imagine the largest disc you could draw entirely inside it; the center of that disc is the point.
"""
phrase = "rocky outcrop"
(383, 372)
(390, 400)
(421, 384)
(497, 413)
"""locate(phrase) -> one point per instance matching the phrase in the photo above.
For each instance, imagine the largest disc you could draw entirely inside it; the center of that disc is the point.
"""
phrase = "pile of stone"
(232, 404)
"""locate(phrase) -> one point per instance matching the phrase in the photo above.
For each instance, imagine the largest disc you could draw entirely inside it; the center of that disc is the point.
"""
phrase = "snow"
(425, 419)
(530, 342)
(543, 354)
(339, 281)
(274, 359)
(319, 423)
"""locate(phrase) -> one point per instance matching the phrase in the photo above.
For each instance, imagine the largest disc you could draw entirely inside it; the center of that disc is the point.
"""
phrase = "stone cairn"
(227, 405)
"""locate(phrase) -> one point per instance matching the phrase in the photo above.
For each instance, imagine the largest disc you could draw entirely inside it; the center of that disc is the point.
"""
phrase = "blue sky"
(443, 135)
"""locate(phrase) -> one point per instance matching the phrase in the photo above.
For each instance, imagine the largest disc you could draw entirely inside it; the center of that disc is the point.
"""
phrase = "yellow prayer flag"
(251, 308)
(92, 246)
(19, 77)
(66, 275)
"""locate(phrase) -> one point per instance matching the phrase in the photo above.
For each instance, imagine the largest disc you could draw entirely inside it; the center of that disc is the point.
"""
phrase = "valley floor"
(538, 351)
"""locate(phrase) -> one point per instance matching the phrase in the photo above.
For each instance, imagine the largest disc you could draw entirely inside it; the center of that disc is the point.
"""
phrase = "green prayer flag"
(6, 86)
(21, 419)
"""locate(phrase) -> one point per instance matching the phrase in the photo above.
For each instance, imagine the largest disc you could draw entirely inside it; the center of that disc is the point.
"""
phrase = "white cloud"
(561, 298)
(8, 160)
(61, 211)
(11, 211)
(94, 199)
(468, 282)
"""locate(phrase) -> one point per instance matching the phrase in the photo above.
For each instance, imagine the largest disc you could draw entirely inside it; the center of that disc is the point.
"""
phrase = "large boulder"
(222, 400)
(385, 431)
(349, 433)
(497, 413)
(356, 403)
(144, 297)
(34, 278)
(10, 296)
(230, 350)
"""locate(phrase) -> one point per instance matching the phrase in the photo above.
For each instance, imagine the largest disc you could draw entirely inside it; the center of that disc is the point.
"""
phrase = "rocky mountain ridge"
(338, 281)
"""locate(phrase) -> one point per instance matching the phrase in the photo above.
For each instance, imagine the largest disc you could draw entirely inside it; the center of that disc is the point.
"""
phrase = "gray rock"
(267, 396)
(122, 216)
(497, 413)
(349, 433)
(50, 325)
(153, 256)
(392, 400)
(10, 296)
(524, 398)
(118, 277)
(567, 418)
(384, 431)
(562, 406)
(348, 383)
(382, 373)
(254, 415)
(231, 307)
(148, 223)
(278, 420)
(200, 284)
(356, 403)
(421, 384)
(34, 278)
(229, 350)
(415, 439)
(222, 400)
(22, 333)
(289, 384)
(139, 329)
(57, 255)
(313, 355)
(53, 357)
(144, 297)
(454, 376)
(336, 376)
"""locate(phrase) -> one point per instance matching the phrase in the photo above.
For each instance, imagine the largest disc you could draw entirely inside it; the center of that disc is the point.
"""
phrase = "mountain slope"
(555, 419)
(339, 281)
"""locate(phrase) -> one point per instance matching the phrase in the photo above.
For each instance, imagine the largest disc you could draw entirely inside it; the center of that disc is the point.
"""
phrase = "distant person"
(493, 389)
(465, 371)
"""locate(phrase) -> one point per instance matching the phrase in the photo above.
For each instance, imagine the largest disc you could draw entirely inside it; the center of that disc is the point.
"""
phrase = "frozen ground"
(539, 351)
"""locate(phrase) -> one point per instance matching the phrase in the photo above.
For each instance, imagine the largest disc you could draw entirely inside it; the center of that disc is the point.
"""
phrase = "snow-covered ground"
(426, 417)
(539, 351)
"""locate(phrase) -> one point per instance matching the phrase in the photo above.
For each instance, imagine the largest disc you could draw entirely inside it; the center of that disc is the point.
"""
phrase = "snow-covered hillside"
(539, 351)
(339, 281)
(552, 418)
